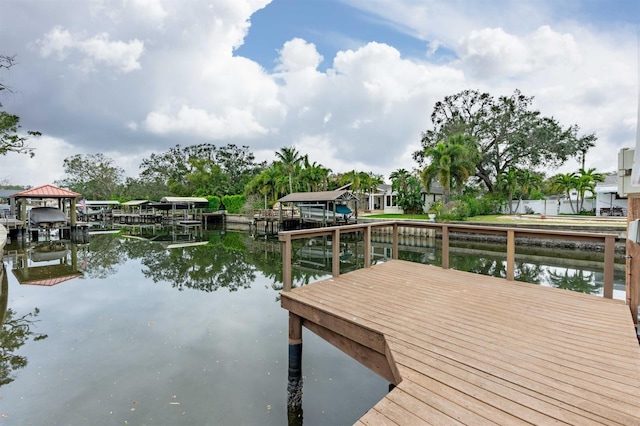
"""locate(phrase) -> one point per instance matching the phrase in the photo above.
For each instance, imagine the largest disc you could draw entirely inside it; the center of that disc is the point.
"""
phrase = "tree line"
(208, 170)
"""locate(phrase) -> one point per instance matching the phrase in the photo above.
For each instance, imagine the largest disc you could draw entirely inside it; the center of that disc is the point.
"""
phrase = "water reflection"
(47, 264)
(574, 270)
(219, 264)
(580, 281)
(15, 332)
(206, 357)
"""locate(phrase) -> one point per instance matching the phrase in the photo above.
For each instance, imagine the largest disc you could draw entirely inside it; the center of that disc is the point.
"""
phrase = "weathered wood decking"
(470, 349)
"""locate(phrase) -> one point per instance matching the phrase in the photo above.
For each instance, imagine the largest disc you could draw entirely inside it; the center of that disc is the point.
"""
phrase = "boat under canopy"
(342, 209)
(47, 217)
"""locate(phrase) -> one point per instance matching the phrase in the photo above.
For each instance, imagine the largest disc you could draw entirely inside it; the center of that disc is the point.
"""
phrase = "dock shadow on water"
(156, 326)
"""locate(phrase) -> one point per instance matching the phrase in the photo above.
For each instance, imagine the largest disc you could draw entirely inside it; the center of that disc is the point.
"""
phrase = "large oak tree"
(95, 176)
(183, 169)
(508, 131)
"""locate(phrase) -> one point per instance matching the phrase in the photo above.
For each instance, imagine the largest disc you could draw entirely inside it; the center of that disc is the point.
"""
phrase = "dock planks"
(464, 348)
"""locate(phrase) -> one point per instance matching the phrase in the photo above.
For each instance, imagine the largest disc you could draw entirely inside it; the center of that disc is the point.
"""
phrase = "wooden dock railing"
(287, 237)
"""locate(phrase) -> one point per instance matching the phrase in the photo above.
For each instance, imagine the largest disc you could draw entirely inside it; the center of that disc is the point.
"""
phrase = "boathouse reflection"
(47, 264)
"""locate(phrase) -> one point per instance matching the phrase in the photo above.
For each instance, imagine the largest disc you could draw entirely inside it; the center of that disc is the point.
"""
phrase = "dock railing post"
(609, 257)
(394, 247)
(445, 247)
(335, 253)
(286, 262)
(367, 246)
(511, 254)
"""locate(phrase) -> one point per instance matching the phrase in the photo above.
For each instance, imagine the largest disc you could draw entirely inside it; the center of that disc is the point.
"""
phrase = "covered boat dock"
(52, 200)
(324, 208)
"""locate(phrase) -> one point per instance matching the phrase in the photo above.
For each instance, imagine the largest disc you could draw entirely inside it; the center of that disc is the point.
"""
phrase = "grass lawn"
(398, 216)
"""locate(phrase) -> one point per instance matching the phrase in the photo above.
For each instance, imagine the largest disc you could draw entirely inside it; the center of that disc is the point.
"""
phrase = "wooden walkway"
(464, 348)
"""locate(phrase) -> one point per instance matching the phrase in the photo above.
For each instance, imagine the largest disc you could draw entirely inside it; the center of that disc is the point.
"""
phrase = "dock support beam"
(294, 386)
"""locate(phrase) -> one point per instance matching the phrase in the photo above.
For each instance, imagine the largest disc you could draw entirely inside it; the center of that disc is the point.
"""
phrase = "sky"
(350, 83)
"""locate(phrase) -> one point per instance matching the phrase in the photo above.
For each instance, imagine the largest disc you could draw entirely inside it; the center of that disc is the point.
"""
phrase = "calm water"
(153, 332)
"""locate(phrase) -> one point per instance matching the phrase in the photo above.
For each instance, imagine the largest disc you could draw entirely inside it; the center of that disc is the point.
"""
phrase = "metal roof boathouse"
(324, 208)
(56, 202)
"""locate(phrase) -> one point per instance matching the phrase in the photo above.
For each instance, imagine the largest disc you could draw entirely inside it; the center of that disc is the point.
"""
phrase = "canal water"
(169, 328)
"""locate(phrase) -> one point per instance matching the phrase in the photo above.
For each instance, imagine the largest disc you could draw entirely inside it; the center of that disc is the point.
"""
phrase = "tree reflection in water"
(104, 253)
(219, 264)
(15, 332)
(229, 260)
(529, 273)
(580, 281)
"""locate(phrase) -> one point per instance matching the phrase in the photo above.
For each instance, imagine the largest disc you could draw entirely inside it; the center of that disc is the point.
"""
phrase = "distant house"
(5, 194)
(385, 198)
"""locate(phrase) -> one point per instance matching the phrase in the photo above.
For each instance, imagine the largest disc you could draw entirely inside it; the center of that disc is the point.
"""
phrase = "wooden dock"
(470, 349)
(463, 348)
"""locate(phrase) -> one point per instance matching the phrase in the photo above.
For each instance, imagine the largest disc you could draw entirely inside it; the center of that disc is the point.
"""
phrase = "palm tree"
(370, 185)
(351, 177)
(528, 181)
(508, 182)
(408, 190)
(399, 183)
(290, 160)
(564, 183)
(313, 175)
(451, 163)
(586, 181)
(266, 183)
(399, 178)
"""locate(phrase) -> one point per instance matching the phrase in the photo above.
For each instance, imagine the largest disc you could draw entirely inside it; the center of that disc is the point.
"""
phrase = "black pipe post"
(294, 385)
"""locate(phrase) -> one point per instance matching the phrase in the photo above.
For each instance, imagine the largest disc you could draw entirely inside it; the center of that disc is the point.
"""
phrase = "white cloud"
(123, 56)
(117, 54)
(57, 41)
(364, 109)
(144, 13)
(150, 10)
(492, 53)
(297, 55)
(231, 123)
(45, 167)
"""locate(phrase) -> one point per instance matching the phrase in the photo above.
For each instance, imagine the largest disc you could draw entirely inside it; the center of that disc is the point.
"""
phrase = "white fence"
(549, 207)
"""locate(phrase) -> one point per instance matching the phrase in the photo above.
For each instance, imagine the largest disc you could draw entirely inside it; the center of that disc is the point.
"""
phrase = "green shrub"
(486, 204)
(214, 202)
(233, 203)
(455, 210)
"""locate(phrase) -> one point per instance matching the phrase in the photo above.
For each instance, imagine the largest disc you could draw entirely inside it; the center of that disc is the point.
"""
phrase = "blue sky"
(351, 83)
(331, 25)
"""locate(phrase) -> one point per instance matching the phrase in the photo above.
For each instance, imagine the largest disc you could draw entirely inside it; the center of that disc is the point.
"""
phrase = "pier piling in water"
(294, 386)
